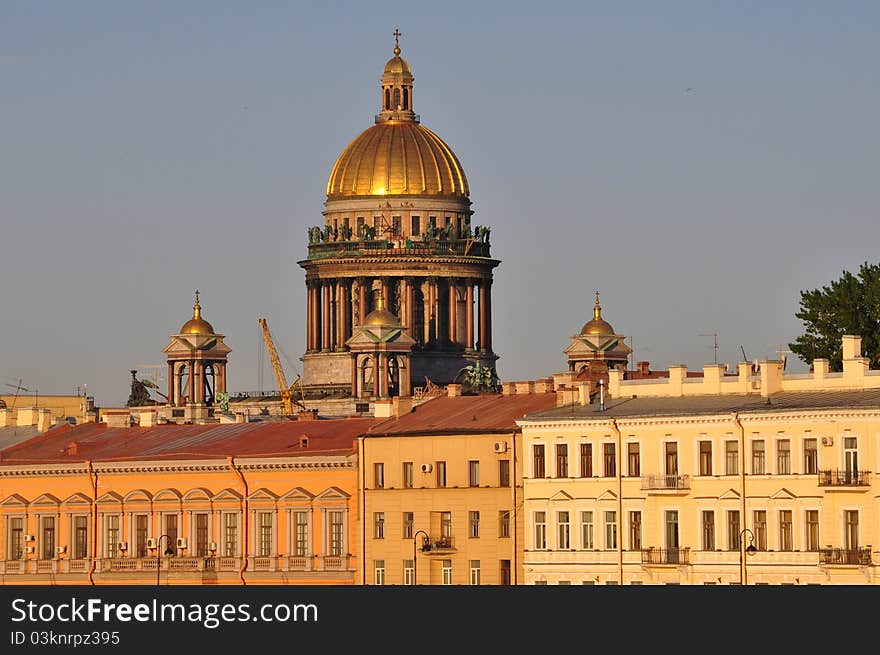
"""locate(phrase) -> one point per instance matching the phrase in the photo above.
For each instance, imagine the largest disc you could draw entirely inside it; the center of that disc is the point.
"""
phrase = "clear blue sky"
(699, 163)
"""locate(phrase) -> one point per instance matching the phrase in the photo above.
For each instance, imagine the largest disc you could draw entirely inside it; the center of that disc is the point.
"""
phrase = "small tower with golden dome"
(397, 225)
(597, 347)
(197, 359)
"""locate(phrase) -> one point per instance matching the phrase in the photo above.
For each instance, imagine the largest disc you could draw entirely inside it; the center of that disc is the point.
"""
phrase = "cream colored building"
(671, 480)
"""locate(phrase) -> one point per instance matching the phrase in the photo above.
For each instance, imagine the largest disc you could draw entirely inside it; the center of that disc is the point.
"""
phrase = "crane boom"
(287, 400)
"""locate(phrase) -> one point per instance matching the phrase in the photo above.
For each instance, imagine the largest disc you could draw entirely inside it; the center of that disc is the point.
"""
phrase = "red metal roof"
(467, 414)
(97, 442)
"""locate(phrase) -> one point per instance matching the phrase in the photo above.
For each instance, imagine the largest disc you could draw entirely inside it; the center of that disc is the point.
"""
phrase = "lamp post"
(158, 549)
(426, 546)
(750, 550)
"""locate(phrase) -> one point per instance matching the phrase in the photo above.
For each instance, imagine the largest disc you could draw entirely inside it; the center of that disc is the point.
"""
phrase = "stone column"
(354, 377)
(376, 375)
(453, 315)
(386, 292)
(310, 317)
(192, 375)
(383, 375)
(489, 315)
(363, 310)
(325, 317)
(405, 389)
(334, 315)
(469, 315)
(342, 321)
(171, 383)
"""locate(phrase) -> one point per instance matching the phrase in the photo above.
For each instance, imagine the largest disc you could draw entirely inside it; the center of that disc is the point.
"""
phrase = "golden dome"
(598, 326)
(397, 65)
(381, 316)
(197, 325)
(397, 157)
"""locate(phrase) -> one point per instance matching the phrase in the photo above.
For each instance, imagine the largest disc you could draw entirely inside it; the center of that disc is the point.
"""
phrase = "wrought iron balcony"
(650, 482)
(845, 556)
(658, 556)
(844, 478)
(438, 545)
(398, 247)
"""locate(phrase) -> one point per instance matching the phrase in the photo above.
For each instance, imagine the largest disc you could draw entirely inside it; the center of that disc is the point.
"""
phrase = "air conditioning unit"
(60, 550)
(181, 542)
(500, 447)
(151, 543)
(827, 441)
(29, 537)
(29, 549)
(427, 468)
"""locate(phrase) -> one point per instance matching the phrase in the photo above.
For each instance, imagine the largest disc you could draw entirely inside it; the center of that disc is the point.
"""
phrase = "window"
(441, 474)
(360, 227)
(759, 527)
(563, 531)
(785, 531)
(610, 460)
(474, 524)
(811, 522)
(633, 467)
(264, 546)
(378, 525)
(377, 222)
(407, 475)
(811, 456)
(475, 571)
(733, 529)
(851, 537)
(16, 534)
(671, 529)
(635, 530)
(301, 534)
(379, 567)
(379, 475)
(705, 458)
(81, 536)
(336, 520)
(474, 473)
(538, 460)
(416, 225)
(783, 457)
(731, 458)
(505, 572)
(446, 571)
(586, 460)
(561, 460)
(504, 473)
(671, 449)
(171, 530)
(587, 530)
(504, 524)
(409, 572)
(610, 530)
(230, 534)
(758, 457)
(111, 533)
(395, 225)
(850, 458)
(708, 520)
(540, 530)
(445, 524)
(408, 520)
(201, 534)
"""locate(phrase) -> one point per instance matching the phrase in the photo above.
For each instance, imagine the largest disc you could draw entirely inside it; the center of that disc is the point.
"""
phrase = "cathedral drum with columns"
(397, 238)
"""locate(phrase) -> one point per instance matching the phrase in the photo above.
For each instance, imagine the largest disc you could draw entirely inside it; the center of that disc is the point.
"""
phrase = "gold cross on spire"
(197, 296)
(396, 41)
(597, 297)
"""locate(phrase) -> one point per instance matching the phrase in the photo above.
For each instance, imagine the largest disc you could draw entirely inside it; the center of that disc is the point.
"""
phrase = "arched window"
(405, 98)
(396, 99)
(387, 99)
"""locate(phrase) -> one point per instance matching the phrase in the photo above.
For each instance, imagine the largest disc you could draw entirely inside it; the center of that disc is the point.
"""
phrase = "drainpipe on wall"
(93, 481)
(244, 541)
(742, 491)
(360, 512)
(515, 516)
(619, 503)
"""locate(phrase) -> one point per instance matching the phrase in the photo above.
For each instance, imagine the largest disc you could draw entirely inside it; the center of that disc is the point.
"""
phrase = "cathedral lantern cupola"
(197, 359)
(597, 348)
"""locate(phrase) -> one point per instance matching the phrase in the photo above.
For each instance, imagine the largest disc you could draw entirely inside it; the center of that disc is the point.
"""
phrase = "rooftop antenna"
(18, 388)
(714, 336)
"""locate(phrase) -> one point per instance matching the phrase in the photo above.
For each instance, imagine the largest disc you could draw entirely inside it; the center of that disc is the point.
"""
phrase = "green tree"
(849, 305)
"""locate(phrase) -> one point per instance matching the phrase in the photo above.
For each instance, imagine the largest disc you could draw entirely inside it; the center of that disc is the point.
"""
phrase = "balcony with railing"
(847, 478)
(438, 545)
(845, 556)
(403, 247)
(333, 562)
(666, 482)
(666, 556)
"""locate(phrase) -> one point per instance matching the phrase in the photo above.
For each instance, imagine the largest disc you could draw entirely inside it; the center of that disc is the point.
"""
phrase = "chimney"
(307, 415)
(71, 448)
(584, 393)
(820, 368)
(148, 418)
(643, 367)
(677, 376)
(27, 416)
(508, 388)
(566, 396)
(525, 386)
(303, 441)
(852, 346)
(453, 390)
(771, 377)
(382, 409)
(240, 417)
(116, 418)
(7, 417)
(544, 385)
(44, 419)
(712, 377)
(402, 405)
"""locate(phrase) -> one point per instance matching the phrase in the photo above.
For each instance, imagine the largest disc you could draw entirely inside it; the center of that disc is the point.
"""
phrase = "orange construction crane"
(287, 399)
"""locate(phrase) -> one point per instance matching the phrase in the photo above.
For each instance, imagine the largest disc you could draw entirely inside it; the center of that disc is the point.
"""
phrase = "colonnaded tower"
(397, 238)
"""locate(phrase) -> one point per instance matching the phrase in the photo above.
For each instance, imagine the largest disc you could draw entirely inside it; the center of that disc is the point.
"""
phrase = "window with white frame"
(758, 460)
(446, 572)
(563, 531)
(635, 530)
(379, 567)
(811, 526)
(140, 534)
(783, 457)
(111, 535)
(504, 523)
(587, 540)
(733, 529)
(81, 537)
(475, 571)
(200, 524)
(409, 572)
(705, 458)
(379, 525)
(561, 460)
(731, 458)
(474, 473)
(610, 530)
(671, 449)
(335, 533)
(47, 537)
(759, 527)
(811, 456)
(851, 529)
(474, 524)
(301, 533)
(15, 538)
(445, 524)
(408, 522)
(538, 460)
(540, 530)
(407, 475)
(379, 475)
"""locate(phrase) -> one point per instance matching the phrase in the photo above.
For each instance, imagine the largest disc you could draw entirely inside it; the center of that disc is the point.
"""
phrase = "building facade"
(761, 478)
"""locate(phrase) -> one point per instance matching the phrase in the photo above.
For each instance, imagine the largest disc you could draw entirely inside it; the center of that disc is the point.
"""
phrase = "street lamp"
(426, 546)
(750, 550)
(158, 548)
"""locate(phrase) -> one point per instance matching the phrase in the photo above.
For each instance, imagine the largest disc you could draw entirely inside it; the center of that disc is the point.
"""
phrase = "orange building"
(268, 502)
